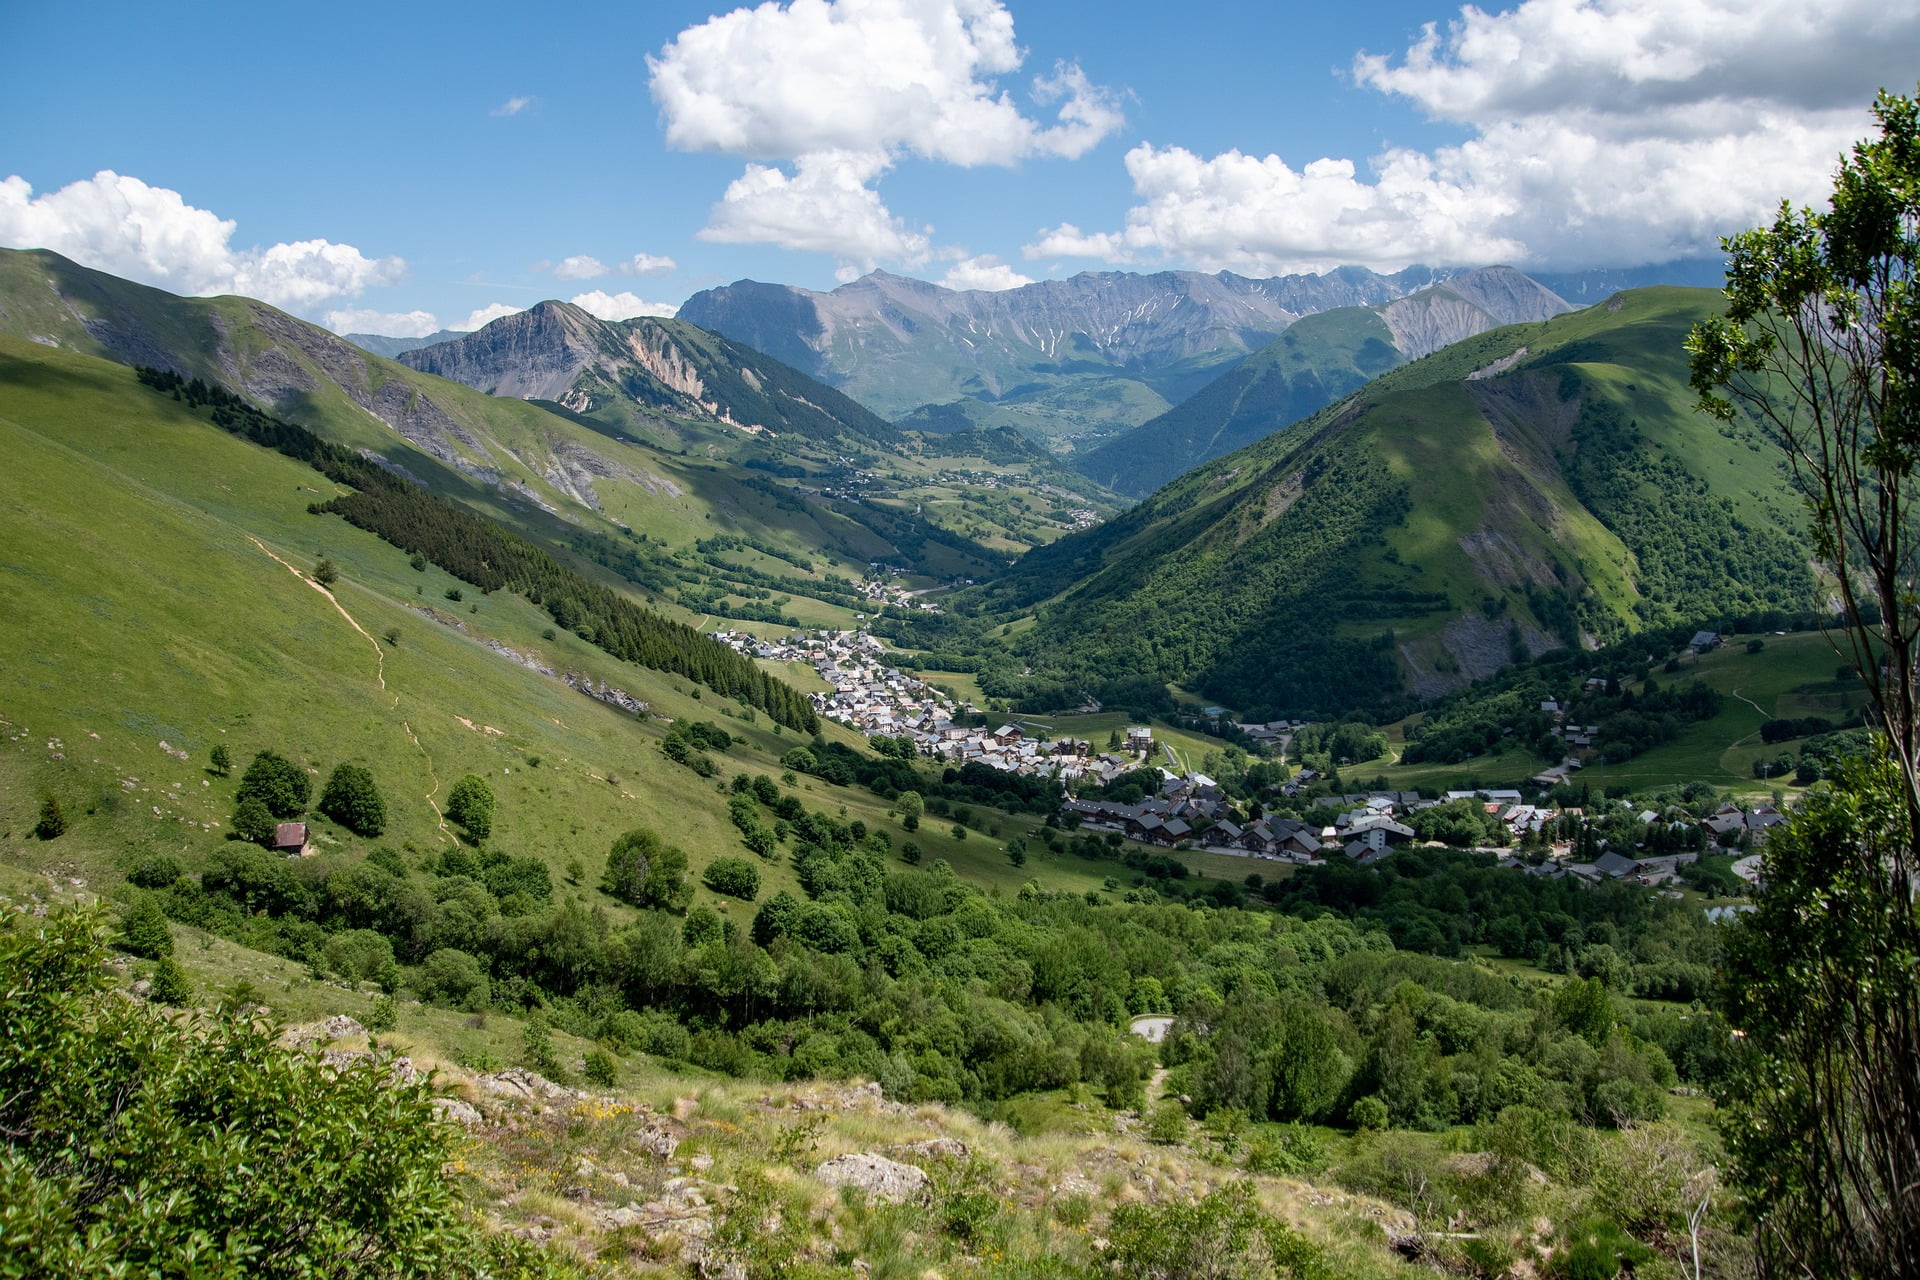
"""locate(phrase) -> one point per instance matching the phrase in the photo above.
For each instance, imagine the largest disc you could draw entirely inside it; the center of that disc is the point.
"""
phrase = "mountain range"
(1319, 359)
(1069, 361)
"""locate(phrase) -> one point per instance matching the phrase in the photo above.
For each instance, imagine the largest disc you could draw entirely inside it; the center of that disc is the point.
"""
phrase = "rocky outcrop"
(881, 1179)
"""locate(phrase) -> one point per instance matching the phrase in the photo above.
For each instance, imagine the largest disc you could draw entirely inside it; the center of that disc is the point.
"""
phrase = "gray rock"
(456, 1110)
(881, 1178)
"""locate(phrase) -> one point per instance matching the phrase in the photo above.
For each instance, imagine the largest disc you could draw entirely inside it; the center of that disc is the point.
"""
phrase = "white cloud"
(828, 206)
(867, 75)
(120, 224)
(512, 106)
(486, 315)
(985, 272)
(832, 87)
(579, 267)
(391, 324)
(620, 306)
(646, 264)
(1602, 132)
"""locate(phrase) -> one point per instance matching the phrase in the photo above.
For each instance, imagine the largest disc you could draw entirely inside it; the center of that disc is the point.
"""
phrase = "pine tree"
(53, 821)
(169, 983)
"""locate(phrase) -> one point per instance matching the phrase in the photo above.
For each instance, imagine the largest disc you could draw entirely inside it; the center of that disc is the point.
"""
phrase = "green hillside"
(635, 490)
(1532, 487)
(1317, 361)
(168, 564)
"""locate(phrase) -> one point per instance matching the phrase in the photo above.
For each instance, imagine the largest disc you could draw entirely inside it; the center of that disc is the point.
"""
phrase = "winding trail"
(1756, 706)
(379, 675)
(379, 655)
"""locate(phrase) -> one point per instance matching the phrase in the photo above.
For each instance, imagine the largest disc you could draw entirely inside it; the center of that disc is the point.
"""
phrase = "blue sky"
(395, 167)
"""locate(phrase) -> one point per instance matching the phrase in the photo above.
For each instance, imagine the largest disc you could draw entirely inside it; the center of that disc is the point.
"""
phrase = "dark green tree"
(646, 872)
(221, 761)
(735, 877)
(253, 822)
(144, 931)
(326, 573)
(53, 820)
(352, 799)
(470, 804)
(276, 782)
(170, 985)
(1820, 346)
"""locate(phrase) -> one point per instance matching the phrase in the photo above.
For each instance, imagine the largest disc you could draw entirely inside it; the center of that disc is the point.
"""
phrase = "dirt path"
(440, 819)
(379, 654)
(1756, 706)
(379, 675)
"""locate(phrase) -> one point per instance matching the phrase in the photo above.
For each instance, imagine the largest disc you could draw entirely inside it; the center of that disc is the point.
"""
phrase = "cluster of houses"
(872, 697)
(1192, 811)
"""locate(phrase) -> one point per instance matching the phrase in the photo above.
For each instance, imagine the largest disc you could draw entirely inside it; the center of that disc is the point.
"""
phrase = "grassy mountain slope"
(158, 554)
(550, 473)
(1527, 488)
(1318, 360)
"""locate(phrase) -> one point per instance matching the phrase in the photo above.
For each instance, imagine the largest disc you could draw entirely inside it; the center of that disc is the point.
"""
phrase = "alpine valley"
(833, 784)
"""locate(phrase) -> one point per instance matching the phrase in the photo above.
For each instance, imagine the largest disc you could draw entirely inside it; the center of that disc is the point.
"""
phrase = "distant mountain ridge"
(1095, 353)
(556, 351)
(381, 344)
(1315, 362)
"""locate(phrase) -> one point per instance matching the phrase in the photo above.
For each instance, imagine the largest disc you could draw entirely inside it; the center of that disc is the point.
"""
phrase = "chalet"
(292, 839)
(1614, 865)
(1705, 641)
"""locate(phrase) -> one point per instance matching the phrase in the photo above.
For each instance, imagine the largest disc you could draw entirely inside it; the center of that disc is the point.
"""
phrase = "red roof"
(290, 835)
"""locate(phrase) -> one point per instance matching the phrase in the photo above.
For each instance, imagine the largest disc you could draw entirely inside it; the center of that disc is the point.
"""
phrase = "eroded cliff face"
(535, 354)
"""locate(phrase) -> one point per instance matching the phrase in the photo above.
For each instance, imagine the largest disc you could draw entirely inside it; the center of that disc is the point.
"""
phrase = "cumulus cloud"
(827, 206)
(486, 315)
(985, 272)
(1602, 132)
(831, 86)
(120, 224)
(390, 324)
(512, 107)
(579, 267)
(647, 264)
(620, 306)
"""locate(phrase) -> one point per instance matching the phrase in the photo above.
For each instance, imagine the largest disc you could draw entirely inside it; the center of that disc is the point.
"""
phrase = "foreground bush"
(142, 1143)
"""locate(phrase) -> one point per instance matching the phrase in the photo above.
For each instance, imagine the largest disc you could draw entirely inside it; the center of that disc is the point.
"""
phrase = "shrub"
(137, 1141)
(1226, 1234)
(170, 985)
(253, 821)
(144, 932)
(734, 877)
(470, 804)
(155, 872)
(385, 1013)
(358, 954)
(598, 1068)
(221, 761)
(353, 800)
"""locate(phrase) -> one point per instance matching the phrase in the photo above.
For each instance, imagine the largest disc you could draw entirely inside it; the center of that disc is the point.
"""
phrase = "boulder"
(882, 1179)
